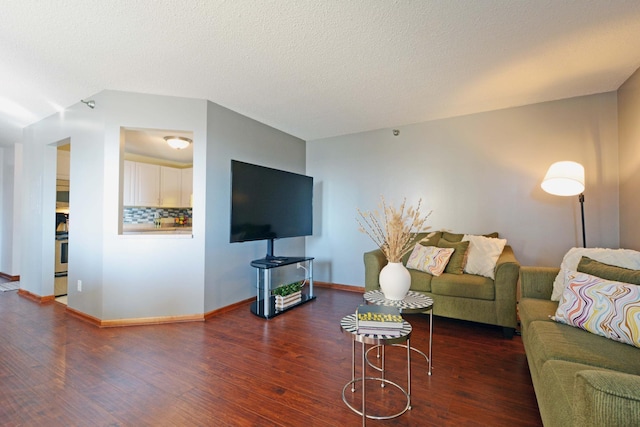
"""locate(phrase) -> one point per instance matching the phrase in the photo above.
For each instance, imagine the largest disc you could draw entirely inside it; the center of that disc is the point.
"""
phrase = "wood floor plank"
(236, 369)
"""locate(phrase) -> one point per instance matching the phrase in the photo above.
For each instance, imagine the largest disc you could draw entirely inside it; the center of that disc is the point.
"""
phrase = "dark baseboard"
(9, 277)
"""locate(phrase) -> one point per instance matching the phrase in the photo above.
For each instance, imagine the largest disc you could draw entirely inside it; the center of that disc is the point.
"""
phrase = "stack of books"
(379, 320)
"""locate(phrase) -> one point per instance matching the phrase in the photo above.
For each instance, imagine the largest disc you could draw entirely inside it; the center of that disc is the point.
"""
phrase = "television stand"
(265, 304)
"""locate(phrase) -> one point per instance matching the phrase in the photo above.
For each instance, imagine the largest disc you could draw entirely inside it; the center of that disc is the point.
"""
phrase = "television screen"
(269, 203)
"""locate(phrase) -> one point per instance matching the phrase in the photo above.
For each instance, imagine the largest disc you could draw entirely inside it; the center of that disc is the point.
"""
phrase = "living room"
(479, 171)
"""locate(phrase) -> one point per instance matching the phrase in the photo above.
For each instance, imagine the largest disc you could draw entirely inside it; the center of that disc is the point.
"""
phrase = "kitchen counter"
(149, 229)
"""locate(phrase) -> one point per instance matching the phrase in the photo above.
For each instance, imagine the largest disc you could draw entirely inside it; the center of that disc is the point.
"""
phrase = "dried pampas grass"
(395, 230)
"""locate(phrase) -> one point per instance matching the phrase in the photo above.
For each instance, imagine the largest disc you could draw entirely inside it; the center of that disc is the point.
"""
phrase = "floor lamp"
(567, 179)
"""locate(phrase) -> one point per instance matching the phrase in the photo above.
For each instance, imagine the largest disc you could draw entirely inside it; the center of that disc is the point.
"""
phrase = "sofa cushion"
(603, 307)
(607, 271)
(429, 259)
(548, 340)
(458, 258)
(532, 309)
(483, 254)
(425, 239)
(463, 285)
(626, 258)
(420, 281)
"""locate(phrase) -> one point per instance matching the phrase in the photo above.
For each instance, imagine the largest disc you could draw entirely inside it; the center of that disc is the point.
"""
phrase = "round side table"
(348, 325)
(414, 302)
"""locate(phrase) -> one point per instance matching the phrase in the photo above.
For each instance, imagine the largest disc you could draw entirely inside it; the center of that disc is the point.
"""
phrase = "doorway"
(63, 190)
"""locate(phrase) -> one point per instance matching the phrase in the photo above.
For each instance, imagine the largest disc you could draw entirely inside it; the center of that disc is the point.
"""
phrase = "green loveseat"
(580, 379)
(461, 296)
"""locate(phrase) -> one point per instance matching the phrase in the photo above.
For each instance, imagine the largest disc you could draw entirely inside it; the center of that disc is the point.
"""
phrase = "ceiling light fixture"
(178, 142)
(90, 103)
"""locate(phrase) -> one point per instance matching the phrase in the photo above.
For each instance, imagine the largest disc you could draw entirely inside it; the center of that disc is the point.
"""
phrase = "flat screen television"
(269, 204)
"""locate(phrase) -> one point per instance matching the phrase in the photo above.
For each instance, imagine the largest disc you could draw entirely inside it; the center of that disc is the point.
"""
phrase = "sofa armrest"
(537, 282)
(374, 261)
(506, 285)
(606, 398)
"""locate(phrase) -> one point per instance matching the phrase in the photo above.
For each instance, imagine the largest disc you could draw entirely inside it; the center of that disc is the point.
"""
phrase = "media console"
(265, 304)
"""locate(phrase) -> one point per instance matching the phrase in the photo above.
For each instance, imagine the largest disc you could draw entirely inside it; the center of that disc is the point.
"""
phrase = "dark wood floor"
(239, 370)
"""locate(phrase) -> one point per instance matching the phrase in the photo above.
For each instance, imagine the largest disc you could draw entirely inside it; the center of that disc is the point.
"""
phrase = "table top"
(348, 325)
(414, 302)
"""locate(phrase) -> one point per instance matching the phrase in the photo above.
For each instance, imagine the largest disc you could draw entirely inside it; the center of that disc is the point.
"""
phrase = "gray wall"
(629, 139)
(478, 173)
(229, 277)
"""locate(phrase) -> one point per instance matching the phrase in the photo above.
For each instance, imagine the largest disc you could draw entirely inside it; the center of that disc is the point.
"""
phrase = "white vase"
(395, 281)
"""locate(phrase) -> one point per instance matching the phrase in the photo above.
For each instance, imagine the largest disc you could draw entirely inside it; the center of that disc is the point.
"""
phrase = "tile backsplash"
(138, 215)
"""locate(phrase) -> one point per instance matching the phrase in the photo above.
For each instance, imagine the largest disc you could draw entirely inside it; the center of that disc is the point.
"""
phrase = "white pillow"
(483, 254)
(429, 259)
(626, 258)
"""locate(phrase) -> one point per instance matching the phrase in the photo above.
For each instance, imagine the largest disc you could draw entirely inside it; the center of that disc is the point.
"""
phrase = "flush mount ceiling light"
(177, 142)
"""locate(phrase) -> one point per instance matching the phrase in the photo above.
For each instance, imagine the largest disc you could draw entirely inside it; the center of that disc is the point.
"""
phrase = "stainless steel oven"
(62, 259)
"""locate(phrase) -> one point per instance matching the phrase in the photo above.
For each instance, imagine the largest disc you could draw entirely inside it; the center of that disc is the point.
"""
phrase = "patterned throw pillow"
(429, 259)
(602, 307)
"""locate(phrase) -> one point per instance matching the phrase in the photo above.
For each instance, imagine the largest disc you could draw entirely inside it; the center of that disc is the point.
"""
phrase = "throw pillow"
(454, 237)
(602, 307)
(483, 255)
(608, 272)
(429, 259)
(626, 258)
(458, 259)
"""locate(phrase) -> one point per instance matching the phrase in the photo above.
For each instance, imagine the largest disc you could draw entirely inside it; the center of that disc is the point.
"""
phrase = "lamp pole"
(581, 200)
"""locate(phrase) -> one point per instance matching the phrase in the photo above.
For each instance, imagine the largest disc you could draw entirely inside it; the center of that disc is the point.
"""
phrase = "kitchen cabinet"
(170, 187)
(151, 185)
(187, 187)
(129, 186)
(147, 185)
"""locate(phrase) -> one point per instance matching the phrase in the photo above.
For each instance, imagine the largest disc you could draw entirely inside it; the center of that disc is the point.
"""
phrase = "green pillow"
(458, 258)
(608, 272)
(454, 237)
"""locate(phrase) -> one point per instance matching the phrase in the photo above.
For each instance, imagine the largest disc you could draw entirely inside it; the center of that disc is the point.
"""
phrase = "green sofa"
(580, 379)
(461, 296)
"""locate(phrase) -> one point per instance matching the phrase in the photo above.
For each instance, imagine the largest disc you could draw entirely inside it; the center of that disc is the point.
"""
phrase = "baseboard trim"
(36, 298)
(9, 277)
(169, 319)
(348, 288)
(141, 321)
(224, 309)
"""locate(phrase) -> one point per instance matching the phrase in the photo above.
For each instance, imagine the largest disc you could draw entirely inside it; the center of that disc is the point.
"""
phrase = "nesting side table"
(414, 302)
(349, 326)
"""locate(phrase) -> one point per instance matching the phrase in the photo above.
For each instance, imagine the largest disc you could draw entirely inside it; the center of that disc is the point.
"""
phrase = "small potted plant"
(288, 295)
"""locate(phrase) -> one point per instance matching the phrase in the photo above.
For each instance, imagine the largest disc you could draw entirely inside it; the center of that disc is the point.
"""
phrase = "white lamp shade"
(564, 179)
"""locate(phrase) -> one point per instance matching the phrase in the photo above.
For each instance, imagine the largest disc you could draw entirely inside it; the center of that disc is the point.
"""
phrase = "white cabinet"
(156, 186)
(129, 185)
(170, 186)
(187, 187)
(63, 164)
(147, 185)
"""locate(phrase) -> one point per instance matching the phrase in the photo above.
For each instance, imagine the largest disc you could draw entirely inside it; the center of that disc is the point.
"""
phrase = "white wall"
(10, 218)
(629, 128)
(229, 277)
(478, 173)
(132, 277)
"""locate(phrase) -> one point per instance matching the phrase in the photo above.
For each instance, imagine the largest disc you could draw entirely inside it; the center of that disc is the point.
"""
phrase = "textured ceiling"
(314, 68)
